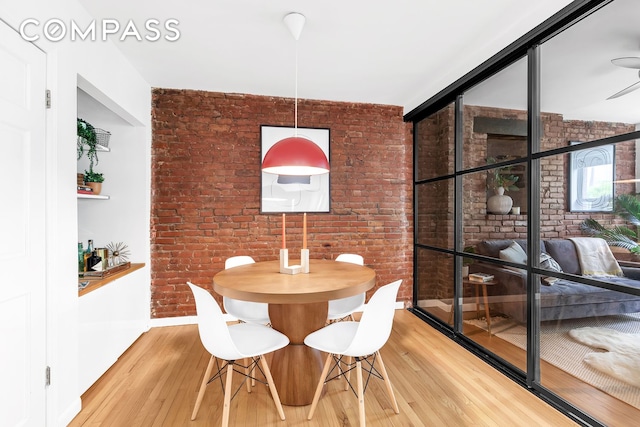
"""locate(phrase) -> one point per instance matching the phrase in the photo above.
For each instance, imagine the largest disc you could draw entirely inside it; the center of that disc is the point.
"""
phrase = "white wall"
(102, 66)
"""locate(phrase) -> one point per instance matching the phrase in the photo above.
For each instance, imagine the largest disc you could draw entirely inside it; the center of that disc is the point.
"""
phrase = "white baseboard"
(69, 414)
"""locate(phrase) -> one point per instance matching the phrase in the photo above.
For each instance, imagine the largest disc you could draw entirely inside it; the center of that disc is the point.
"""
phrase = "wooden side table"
(485, 298)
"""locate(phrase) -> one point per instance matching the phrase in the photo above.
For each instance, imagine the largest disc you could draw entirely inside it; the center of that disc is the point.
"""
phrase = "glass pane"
(568, 305)
(434, 216)
(495, 117)
(434, 142)
(507, 190)
(503, 298)
(493, 307)
(490, 195)
(558, 191)
(578, 77)
(434, 283)
(582, 345)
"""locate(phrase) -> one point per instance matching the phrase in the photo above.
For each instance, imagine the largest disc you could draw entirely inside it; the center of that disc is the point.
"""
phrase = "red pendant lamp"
(295, 155)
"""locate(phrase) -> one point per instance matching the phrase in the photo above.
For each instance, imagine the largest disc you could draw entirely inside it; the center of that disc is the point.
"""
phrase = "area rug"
(558, 348)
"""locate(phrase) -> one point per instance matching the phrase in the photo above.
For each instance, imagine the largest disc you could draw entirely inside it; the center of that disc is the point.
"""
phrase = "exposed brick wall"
(206, 189)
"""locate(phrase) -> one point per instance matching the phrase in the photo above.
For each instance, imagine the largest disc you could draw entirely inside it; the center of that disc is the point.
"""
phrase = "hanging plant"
(87, 140)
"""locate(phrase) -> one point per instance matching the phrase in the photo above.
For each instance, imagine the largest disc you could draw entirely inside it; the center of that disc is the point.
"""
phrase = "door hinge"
(48, 98)
(47, 376)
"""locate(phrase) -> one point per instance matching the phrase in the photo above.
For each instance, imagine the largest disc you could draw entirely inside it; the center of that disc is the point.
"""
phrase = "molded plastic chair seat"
(241, 341)
(245, 311)
(360, 340)
(345, 307)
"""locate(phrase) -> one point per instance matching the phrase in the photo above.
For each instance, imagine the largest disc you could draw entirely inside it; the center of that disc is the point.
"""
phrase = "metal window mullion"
(533, 228)
(458, 226)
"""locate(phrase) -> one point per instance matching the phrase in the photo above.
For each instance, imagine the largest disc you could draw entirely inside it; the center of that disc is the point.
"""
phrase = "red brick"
(206, 188)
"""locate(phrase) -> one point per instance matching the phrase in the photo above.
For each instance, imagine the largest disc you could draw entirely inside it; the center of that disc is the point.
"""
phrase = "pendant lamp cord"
(296, 95)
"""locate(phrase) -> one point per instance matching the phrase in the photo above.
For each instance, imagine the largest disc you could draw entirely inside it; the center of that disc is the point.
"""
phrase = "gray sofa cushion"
(564, 252)
(492, 248)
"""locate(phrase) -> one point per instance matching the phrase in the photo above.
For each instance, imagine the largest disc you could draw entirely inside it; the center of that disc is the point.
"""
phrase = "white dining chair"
(345, 307)
(230, 343)
(245, 311)
(361, 341)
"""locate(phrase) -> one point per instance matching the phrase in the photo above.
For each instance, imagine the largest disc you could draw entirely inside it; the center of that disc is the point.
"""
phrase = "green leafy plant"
(90, 176)
(470, 250)
(501, 177)
(627, 206)
(87, 140)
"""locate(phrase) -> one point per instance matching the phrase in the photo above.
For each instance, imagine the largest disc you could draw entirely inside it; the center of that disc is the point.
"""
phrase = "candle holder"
(285, 268)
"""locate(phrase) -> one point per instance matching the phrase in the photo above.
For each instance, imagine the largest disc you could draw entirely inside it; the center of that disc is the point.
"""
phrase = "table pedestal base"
(296, 368)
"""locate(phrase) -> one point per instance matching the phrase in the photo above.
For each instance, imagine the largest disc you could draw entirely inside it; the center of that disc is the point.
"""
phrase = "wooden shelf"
(97, 283)
(92, 196)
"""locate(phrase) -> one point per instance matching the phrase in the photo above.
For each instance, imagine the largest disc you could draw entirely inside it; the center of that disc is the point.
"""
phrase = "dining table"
(298, 305)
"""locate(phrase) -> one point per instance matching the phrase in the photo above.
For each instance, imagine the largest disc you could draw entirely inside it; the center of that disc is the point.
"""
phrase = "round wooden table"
(298, 305)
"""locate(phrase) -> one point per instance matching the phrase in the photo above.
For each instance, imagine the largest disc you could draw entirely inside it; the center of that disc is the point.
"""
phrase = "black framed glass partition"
(519, 278)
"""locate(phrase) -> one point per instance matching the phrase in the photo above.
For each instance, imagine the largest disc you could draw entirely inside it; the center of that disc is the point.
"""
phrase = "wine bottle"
(87, 254)
(94, 261)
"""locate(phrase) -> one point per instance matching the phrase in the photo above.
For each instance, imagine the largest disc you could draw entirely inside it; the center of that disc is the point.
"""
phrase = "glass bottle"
(80, 258)
(94, 260)
(87, 254)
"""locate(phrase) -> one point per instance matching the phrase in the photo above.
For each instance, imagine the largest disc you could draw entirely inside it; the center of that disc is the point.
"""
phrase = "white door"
(22, 215)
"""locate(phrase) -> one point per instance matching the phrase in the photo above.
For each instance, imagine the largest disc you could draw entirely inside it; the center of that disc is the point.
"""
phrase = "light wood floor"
(436, 383)
(601, 406)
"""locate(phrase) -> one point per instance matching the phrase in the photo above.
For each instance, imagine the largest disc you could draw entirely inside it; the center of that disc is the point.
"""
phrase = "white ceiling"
(374, 51)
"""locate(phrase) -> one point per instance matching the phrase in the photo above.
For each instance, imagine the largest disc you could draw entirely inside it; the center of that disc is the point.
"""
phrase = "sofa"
(562, 299)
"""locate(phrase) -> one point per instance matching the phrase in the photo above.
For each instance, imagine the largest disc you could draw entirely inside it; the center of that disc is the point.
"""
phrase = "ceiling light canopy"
(295, 155)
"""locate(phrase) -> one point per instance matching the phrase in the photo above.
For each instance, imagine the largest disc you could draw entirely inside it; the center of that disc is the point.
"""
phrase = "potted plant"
(93, 180)
(87, 142)
(500, 179)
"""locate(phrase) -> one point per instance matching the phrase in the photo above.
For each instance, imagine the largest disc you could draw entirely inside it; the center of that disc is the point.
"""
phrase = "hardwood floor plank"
(435, 381)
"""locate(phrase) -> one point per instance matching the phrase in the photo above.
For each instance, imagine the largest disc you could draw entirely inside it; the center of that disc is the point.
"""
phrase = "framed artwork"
(592, 172)
(280, 193)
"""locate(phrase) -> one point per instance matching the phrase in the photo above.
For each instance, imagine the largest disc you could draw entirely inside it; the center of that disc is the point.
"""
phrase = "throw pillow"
(514, 253)
(548, 263)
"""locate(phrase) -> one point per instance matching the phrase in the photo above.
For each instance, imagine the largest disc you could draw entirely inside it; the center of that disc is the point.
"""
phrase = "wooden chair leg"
(272, 387)
(348, 374)
(253, 380)
(387, 382)
(227, 396)
(247, 372)
(361, 414)
(203, 386)
(316, 396)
